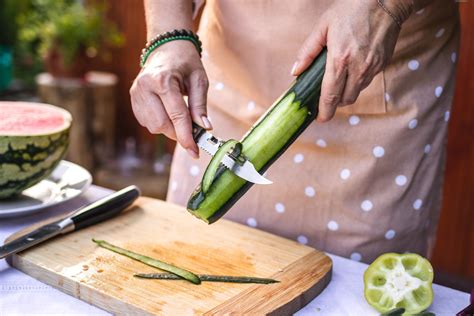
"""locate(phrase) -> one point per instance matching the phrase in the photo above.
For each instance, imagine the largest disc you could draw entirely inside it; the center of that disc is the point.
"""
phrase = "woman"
(366, 181)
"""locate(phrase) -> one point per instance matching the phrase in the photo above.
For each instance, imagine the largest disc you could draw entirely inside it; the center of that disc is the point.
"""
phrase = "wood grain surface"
(77, 266)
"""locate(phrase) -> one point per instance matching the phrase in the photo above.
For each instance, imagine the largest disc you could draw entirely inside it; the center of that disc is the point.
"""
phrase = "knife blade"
(91, 214)
(210, 144)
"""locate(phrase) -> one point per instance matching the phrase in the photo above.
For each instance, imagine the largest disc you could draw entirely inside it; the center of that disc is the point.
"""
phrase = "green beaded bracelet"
(159, 40)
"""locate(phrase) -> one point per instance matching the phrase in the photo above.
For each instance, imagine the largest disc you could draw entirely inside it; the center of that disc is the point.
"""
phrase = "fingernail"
(205, 121)
(293, 69)
(192, 153)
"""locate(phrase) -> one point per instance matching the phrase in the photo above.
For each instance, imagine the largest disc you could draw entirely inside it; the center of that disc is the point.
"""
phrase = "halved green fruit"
(33, 139)
(399, 280)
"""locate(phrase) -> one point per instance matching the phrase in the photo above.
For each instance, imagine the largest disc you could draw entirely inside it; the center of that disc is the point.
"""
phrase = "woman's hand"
(171, 72)
(360, 37)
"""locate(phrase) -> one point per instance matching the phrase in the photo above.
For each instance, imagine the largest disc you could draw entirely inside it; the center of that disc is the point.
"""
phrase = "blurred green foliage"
(67, 25)
(9, 10)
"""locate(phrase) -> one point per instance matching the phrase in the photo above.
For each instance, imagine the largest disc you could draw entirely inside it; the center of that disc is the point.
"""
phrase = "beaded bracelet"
(393, 16)
(161, 39)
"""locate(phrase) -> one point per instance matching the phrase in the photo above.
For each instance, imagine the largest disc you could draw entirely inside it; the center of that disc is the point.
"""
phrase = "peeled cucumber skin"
(209, 175)
(304, 93)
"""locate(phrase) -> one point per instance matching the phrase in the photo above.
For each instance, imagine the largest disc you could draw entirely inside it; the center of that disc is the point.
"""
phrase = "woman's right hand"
(171, 72)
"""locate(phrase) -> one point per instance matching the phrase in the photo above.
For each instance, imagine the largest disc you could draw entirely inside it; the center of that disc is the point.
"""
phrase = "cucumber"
(264, 143)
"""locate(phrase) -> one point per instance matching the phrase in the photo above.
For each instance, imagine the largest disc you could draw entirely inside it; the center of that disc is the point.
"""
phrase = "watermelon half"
(33, 139)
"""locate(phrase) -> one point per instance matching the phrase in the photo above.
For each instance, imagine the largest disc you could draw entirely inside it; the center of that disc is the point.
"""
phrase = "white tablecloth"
(23, 295)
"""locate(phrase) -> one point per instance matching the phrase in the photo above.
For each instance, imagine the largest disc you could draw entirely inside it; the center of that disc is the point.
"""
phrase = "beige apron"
(367, 182)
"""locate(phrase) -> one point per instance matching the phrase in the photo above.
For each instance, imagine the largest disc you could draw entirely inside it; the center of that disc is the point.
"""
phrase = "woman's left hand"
(360, 37)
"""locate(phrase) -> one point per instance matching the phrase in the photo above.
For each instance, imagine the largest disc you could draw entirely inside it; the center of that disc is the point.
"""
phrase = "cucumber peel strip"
(182, 273)
(208, 278)
(210, 173)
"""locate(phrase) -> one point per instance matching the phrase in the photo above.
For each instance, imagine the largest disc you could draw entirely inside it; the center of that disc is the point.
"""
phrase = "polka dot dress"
(368, 181)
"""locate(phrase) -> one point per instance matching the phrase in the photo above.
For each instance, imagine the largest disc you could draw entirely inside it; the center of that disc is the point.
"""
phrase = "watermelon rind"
(27, 159)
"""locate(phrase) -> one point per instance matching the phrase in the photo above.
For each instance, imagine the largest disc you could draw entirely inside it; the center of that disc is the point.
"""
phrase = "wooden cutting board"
(75, 265)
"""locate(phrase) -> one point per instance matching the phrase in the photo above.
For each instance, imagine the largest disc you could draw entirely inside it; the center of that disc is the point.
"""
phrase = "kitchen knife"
(91, 214)
(241, 167)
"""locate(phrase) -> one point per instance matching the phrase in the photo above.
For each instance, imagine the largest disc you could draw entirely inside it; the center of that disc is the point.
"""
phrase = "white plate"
(67, 181)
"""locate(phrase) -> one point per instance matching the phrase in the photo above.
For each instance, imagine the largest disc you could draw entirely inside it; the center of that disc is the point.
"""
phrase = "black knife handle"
(197, 132)
(105, 208)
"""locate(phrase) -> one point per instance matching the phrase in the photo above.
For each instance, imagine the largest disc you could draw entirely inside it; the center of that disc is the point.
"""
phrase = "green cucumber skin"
(209, 175)
(306, 89)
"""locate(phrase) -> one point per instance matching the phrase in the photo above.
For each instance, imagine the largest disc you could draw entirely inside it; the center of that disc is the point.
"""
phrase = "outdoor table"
(20, 294)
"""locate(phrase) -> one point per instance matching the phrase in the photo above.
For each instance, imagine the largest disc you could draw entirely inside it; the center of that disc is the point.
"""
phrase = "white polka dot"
(427, 148)
(420, 11)
(219, 86)
(378, 151)
(354, 120)
(302, 239)
(417, 204)
(401, 180)
(366, 205)
(251, 106)
(413, 64)
(446, 116)
(309, 191)
(174, 186)
(345, 174)
(252, 222)
(440, 33)
(333, 225)
(205, 54)
(356, 256)
(453, 57)
(321, 143)
(438, 91)
(412, 124)
(390, 234)
(387, 97)
(194, 170)
(298, 158)
(280, 208)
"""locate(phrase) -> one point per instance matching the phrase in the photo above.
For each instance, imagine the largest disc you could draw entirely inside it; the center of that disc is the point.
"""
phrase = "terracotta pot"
(55, 64)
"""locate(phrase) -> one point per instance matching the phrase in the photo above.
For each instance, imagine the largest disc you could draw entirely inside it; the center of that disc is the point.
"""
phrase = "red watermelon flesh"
(22, 119)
